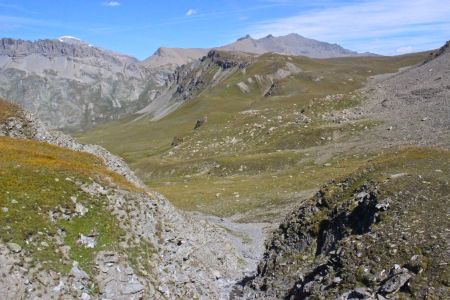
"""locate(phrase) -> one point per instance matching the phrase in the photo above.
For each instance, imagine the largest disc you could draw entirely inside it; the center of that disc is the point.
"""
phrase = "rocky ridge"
(351, 241)
(192, 79)
(291, 44)
(73, 85)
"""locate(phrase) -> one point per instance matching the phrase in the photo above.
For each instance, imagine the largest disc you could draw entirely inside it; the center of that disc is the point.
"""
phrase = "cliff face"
(188, 81)
(73, 85)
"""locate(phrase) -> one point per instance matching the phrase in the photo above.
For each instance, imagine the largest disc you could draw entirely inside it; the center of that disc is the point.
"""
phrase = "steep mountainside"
(71, 84)
(77, 224)
(188, 81)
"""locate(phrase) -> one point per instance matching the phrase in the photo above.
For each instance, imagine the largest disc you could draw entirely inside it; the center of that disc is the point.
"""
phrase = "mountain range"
(291, 44)
(76, 85)
(284, 176)
(347, 156)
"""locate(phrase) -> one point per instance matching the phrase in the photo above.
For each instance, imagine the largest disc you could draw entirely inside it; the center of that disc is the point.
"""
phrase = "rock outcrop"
(353, 240)
(188, 81)
(73, 85)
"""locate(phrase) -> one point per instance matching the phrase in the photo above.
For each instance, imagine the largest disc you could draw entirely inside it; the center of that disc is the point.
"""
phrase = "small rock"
(176, 141)
(78, 273)
(14, 248)
(397, 175)
(133, 288)
(337, 279)
(216, 274)
(87, 241)
(394, 283)
(59, 287)
(5, 209)
(200, 122)
(85, 296)
(358, 293)
(80, 209)
(383, 205)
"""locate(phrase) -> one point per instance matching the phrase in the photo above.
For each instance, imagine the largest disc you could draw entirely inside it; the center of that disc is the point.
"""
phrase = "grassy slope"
(7, 110)
(38, 179)
(233, 164)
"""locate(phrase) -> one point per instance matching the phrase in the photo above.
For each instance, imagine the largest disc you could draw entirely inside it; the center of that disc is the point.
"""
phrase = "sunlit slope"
(258, 147)
(318, 78)
(39, 181)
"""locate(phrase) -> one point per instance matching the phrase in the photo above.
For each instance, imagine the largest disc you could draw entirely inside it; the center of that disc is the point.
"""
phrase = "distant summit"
(173, 57)
(291, 44)
(247, 37)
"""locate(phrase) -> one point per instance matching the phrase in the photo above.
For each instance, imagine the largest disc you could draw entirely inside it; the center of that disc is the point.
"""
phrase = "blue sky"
(139, 27)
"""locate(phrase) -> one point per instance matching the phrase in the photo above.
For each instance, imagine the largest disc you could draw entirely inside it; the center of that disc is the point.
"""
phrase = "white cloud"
(111, 3)
(191, 12)
(381, 26)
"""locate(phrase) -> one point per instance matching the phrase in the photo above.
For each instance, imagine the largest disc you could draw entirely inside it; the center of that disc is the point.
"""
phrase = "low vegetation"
(359, 227)
(256, 153)
(43, 202)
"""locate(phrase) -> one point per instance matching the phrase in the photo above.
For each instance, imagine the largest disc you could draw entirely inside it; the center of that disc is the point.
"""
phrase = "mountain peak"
(246, 37)
(291, 44)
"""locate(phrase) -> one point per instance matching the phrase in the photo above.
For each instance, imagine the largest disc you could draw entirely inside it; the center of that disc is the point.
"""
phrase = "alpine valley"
(273, 168)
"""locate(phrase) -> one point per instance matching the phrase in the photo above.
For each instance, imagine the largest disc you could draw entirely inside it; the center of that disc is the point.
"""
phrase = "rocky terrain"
(102, 234)
(414, 103)
(71, 84)
(364, 239)
(352, 161)
(370, 236)
(340, 165)
(189, 80)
